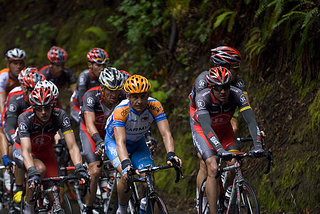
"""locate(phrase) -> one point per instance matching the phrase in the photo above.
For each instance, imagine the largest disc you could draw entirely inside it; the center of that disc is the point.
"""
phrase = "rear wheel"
(66, 205)
(248, 200)
(156, 205)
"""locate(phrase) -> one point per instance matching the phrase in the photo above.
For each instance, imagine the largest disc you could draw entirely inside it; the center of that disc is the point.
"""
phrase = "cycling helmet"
(41, 97)
(125, 75)
(15, 54)
(111, 78)
(24, 72)
(218, 76)
(137, 84)
(98, 55)
(30, 80)
(225, 55)
(49, 84)
(57, 55)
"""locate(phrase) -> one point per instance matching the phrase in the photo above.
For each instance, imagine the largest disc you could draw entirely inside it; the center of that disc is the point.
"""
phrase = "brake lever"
(270, 161)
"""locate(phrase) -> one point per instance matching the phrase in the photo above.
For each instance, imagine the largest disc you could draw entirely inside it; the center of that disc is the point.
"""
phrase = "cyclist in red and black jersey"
(33, 149)
(211, 128)
(9, 76)
(56, 72)
(98, 104)
(97, 60)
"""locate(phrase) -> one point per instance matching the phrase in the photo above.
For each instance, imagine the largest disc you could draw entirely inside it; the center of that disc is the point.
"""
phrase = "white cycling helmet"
(111, 78)
(15, 54)
(51, 85)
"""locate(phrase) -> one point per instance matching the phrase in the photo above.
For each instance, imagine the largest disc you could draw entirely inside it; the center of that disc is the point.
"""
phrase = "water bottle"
(227, 196)
(7, 182)
(143, 206)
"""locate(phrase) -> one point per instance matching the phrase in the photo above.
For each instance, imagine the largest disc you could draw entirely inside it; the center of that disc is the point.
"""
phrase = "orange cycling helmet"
(137, 84)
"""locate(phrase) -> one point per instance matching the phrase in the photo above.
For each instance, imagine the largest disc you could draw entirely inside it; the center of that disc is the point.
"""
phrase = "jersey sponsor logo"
(22, 126)
(81, 80)
(66, 122)
(240, 84)
(90, 102)
(202, 83)
(113, 150)
(19, 97)
(12, 108)
(125, 112)
(151, 107)
(221, 119)
(41, 139)
(200, 103)
(138, 129)
(144, 119)
(214, 140)
(243, 99)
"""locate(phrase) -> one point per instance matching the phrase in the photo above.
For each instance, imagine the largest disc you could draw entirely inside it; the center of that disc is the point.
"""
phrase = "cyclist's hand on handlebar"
(9, 164)
(224, 154)
(99, 149)
(127, 166)
(152, 143)
(33, 177)
(172, 158)
(257, 151)
(81, 173)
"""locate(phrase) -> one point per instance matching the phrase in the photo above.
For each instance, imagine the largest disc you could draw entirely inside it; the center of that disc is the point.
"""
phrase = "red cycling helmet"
(32, 78)
(98, 55)
(57, 55)
(218, 76)
(225, 56)
(41, 97)
(24, 72)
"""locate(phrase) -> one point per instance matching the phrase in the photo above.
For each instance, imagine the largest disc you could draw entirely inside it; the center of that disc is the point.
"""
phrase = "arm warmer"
(252, 126)
(211, 136)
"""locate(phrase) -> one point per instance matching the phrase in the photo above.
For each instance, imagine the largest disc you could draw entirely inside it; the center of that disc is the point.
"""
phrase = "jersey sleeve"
(3, 81)
(64, 122)
(202, 101)
(89, 102)
(120, 116)
(24, 126)
(157, 110)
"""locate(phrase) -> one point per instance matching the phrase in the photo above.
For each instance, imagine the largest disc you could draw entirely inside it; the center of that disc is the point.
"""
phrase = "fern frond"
(222, 17)
(101, 34)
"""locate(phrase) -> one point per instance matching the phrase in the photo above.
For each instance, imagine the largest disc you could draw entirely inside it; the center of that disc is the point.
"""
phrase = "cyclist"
(9, 76)
(125, 130)
(98, 103)
(97, 60)
(211, 128)
(56, 72)
(33, 148)
(17, 102)
(4, 151)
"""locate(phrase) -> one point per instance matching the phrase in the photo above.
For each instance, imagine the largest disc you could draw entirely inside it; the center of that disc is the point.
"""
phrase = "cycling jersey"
(41, 137)
(67, 76)
(86, 81)
(137, 125)
(7, 81)
(93, 102)
(16, 103)
(220, 132)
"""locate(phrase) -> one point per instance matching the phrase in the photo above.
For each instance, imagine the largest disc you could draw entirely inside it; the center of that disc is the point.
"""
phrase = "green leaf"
(222, 17)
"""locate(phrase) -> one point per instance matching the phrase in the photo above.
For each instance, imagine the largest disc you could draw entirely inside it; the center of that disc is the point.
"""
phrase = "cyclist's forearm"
(73, 148)
(3, 144)
(211, 136)
(164, 129)
(26, 152)
(254, 130)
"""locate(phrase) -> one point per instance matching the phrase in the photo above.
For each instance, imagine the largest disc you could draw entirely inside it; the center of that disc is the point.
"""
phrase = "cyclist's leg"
(208, 155)
(88, 146)
(111, 151)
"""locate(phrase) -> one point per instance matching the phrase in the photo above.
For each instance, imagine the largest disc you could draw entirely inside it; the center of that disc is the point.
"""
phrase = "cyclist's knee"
(212, 167)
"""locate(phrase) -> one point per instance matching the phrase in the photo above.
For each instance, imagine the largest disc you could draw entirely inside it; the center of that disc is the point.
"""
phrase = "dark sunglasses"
(40, 108)
(221, 87)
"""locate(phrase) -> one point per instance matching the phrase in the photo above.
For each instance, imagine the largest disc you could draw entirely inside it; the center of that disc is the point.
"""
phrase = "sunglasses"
(221, 87)
(45, 108)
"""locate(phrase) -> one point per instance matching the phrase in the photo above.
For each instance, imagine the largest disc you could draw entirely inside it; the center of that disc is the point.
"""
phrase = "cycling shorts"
(88, 145)
(204, 147)
(139, 153)
(47, 157)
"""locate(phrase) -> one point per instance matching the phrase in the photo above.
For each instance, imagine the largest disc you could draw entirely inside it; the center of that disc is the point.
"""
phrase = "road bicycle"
(7, 205)
(154, 203)
(242, 198)
(41, 198)
(106, 200)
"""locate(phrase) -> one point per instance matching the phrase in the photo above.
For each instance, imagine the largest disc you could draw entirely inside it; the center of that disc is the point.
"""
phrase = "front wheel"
(66, 205)
(155, 205)
(203, 203)
(248, 201)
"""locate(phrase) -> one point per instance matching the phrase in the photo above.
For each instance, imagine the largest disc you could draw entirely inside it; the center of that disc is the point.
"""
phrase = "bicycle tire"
(248, 200)
(67, 205)
(155, 204)
(203, 209)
